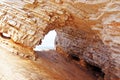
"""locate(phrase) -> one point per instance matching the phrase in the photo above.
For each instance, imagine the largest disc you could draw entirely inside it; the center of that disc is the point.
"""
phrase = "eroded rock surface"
(89, 29)
(89, 47)
(27, 22)
(94, 38)
(49, 66)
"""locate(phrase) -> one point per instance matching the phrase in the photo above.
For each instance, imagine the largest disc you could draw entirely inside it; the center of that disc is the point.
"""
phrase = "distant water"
(47, 42)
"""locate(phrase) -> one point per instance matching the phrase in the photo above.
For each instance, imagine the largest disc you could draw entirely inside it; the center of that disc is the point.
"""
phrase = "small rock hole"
(74, 57)
(5, 35)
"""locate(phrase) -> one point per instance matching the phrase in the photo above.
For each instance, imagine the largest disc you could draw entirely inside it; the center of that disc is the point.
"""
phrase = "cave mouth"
(48, 42)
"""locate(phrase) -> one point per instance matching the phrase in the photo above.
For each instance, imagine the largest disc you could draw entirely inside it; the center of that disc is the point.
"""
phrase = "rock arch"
(28, 21)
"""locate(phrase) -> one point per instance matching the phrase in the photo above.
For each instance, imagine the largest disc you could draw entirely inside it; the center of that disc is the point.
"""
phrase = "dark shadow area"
(4, 35)
(74, 57)
(96, 71)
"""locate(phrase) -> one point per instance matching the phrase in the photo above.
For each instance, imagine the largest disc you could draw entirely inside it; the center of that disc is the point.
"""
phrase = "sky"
(47, 42)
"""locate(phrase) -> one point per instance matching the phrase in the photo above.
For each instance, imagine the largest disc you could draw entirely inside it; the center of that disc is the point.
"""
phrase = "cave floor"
(49, 65)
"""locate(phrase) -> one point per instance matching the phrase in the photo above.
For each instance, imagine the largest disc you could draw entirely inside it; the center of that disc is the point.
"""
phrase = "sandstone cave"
(87, 39)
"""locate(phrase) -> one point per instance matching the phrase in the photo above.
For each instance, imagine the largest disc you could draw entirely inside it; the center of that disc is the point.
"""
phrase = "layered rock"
(27, 21)
(89, 29)
(89, 47)
(95, 38)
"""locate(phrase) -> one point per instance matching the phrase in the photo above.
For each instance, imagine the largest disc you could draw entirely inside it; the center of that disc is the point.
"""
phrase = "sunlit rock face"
(27, 21)
(90, 29)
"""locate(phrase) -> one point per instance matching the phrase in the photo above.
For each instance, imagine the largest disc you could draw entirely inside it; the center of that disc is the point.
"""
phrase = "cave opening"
(47, 42)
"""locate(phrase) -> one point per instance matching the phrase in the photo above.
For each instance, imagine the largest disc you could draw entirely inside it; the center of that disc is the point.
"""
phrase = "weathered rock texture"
(94, 38)
(89, 47)
(89, 29)
(27, 22)
(49, 66)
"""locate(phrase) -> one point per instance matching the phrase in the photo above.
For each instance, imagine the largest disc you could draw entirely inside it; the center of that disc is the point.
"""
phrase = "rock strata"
(90, 29)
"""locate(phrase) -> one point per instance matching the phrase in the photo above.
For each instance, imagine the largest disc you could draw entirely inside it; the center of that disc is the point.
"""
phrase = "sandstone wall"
(89, 29)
